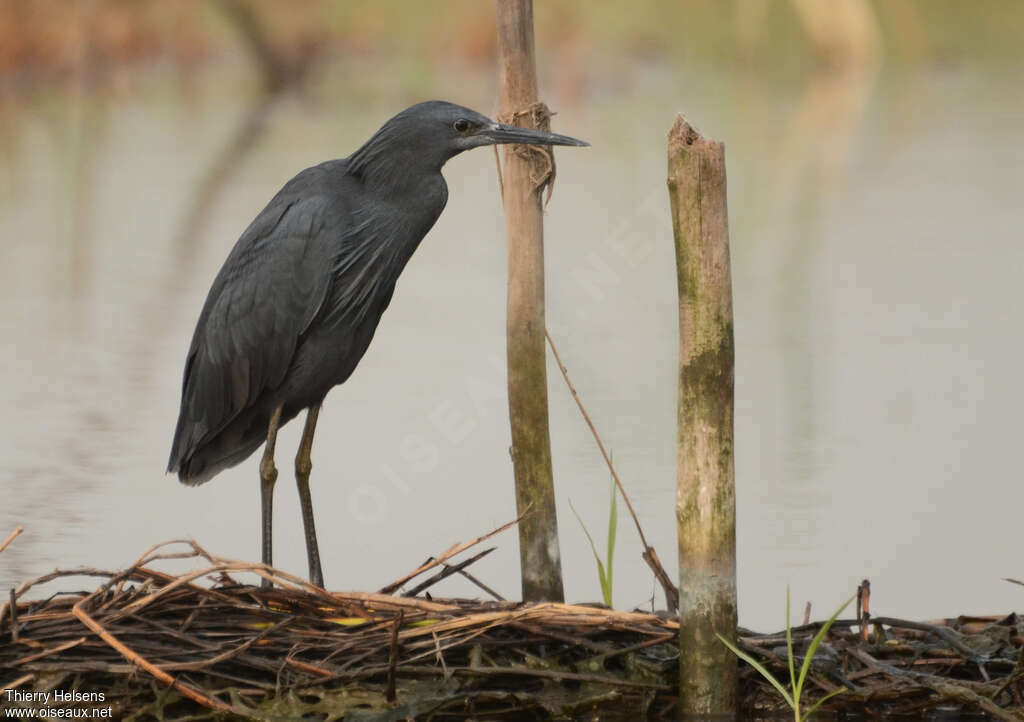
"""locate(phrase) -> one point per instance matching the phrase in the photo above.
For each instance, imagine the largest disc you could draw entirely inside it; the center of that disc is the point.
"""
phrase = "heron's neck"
(389, 166)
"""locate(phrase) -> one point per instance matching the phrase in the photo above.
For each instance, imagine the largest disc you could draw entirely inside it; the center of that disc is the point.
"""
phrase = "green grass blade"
(602, 578)
(823, 699)
(585, 532)
(759, 667)
(613, 523)
(806, 666)
(789, 650)
(606, 584)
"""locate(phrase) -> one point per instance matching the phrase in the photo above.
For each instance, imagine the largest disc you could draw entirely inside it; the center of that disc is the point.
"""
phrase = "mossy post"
(705, 494)
(541, 566)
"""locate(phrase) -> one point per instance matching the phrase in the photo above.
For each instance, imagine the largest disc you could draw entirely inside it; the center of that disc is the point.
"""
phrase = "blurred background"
(875, 156)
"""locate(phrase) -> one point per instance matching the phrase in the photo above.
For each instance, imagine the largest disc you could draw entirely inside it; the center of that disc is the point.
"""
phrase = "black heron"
(296, 303)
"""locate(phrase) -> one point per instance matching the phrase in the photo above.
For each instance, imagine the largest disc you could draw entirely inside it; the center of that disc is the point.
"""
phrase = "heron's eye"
(462, 125)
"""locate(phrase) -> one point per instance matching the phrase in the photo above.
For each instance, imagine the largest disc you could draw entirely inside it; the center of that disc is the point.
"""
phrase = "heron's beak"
(499, 133)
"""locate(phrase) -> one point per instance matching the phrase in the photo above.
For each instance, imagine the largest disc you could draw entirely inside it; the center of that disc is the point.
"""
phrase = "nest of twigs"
(203, 646)
(964, 667)
(171, 647)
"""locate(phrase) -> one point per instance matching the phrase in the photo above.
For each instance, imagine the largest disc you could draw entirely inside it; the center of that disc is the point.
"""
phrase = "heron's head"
(464, 129)
(435, 131)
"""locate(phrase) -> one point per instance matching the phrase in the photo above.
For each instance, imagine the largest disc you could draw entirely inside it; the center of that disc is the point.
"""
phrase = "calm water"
(876, 228)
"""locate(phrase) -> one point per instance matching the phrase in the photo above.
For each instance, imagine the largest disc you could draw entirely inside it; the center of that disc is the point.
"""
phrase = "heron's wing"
(367, 261)
(265, 296)
(378, 240)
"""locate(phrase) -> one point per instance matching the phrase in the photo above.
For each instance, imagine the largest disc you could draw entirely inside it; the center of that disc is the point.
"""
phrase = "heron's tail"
(197, 461)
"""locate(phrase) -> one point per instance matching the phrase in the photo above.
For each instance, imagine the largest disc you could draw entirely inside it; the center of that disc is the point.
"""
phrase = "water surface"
(877, 258)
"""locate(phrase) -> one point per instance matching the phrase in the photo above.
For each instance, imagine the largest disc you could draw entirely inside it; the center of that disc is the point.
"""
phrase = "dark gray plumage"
(296, 304)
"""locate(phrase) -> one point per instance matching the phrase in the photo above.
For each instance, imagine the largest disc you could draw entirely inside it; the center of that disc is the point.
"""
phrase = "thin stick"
(229, 653)
(269, 573)
(25, 586)
(557, 675)
(131, 656)
(17, 683)
(863, 610)
(12, 536)
(393, 657)
(1015, 674)
(312, 669)
(649, 555)
(447, 572)
(47, 652)
(483, 586)
(384, 601)
(14, 618)
(440, 656)
(947, 635)
(150, 554)
(501, 180)
(452, 551)
(959, 691)
(601, 649)
(636, 647)
(597, 438)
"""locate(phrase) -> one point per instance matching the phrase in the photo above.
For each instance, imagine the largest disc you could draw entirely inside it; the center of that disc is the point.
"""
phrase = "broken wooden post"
(705, 495)
(527, 170)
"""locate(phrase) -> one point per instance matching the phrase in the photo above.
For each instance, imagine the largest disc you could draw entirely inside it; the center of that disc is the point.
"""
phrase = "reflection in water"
(186, 242)
(806, 167)
(251, 129)
(843, 33)
(870, 336)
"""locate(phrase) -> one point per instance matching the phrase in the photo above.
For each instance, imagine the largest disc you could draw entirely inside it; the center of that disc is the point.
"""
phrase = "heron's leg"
(303, 466)
(268, 475)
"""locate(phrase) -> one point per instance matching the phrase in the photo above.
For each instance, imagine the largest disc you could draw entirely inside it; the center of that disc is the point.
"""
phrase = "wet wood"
(705, 494)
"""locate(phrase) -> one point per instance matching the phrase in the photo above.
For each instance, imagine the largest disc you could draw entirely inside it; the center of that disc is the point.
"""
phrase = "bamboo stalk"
(527, 171)
(705, 494)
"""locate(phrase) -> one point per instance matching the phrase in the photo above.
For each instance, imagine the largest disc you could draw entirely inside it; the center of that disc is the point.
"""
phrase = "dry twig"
(448, 554)
(11, 537)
